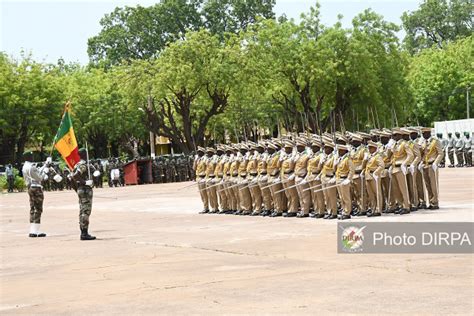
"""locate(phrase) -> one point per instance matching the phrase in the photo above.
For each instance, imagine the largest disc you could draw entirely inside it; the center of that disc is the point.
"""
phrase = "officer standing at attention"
(402, 156)
(33, 178)
(314, 168)
(327, 178)
(301, 170)
(432, 156)
(80, 176)
(344, 173)
(200, 164)
(467, 150)
(288, 178)
(373, 178)
(444, 144)
(450, 149)
(459, 149)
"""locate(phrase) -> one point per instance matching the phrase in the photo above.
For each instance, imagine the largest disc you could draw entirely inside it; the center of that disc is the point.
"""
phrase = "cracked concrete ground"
(156, 255)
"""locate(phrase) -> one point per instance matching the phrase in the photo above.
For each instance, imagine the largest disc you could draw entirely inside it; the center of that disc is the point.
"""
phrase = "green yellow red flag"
(65, 140)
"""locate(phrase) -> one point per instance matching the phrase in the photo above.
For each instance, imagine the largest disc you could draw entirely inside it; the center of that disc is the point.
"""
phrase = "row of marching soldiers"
(358, 174)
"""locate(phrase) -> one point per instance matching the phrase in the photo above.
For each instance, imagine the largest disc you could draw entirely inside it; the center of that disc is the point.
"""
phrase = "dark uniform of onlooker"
(10, 177)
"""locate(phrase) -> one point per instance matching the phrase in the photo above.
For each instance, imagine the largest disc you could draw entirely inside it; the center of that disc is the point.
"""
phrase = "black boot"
(85, 235)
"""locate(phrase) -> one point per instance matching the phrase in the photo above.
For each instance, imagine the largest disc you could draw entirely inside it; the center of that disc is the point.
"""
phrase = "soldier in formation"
(458, 149)
(174, 168)
(323, 176)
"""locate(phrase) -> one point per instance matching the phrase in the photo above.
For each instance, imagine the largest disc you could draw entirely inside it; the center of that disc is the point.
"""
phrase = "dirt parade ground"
(156, 255)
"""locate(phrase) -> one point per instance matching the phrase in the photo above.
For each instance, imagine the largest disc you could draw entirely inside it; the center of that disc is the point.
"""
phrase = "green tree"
(102, 116)
(437, 22)
(188, 85)
(439, 79)
(30, 98)
(130, 33)
(326, 75)
(142, 32)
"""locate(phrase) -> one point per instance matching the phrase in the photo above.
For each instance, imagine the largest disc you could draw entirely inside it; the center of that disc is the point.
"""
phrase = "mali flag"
(65, 140)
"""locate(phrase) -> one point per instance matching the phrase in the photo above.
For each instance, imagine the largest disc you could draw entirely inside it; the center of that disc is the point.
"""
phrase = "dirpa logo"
(352, 238)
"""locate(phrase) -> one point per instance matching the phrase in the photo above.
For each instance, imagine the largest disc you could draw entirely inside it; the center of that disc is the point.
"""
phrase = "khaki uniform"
(358, 156)
(220, 189)
(327, 173)
(200, 165)
(413, 174)
(313, 170)
(262, 167)
(244, 192)
(252, 177)
(226, 182)
(402, 155)
(374, 169)
(287, 178)
(210, 181)
(273, 170)
(387, 192)
(420, 182)
(301, 169)
(233, 180)
(432, 155)
(345, 172)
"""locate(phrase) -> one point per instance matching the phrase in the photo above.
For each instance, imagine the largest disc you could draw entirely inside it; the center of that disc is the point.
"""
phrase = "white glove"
(318, 178)
(376, 178)
(362, 176)
(303, 181)
(412, 169)
(332, 181)
(346, 182)
(277, 180)
(89, 183)
(291, 177)
(420, 166)
(435, 167)
(404, 169)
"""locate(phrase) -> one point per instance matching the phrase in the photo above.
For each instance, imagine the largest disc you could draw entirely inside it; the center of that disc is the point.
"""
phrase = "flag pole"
(88, 165)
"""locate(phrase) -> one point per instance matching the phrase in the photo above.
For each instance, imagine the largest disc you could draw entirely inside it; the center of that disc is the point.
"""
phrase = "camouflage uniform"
(84, 192)
(36, 204)
(33, 177)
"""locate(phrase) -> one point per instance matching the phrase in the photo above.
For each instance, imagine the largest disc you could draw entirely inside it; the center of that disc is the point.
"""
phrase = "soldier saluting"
(83, 183)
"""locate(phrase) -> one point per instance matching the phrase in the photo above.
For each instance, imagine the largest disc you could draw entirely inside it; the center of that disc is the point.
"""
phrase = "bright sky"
(60, 28)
